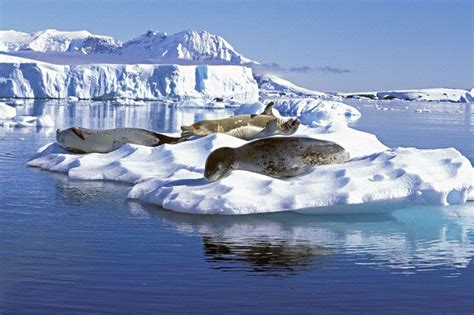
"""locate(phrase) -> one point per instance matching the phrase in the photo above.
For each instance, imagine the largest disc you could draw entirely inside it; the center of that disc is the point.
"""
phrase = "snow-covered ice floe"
(375, 179)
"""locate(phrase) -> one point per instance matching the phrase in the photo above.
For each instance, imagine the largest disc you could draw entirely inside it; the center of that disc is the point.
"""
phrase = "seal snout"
(219, 164)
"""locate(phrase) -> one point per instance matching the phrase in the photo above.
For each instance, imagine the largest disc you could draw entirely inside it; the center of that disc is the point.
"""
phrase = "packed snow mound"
(311, 112)
(271, 85)
(438, 95)
(192, 46)
(149, 82)
(171, 176)
(6, 111)
(52, 40)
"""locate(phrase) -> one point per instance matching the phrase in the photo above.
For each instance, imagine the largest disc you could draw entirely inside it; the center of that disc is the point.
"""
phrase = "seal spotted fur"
(275, 157)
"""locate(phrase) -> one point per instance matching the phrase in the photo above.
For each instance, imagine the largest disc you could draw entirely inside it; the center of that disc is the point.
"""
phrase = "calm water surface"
(69, 245)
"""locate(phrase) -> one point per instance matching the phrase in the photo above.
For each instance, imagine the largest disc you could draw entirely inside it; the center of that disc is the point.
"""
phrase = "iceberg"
(20, 79)
(6, 111)
(44, 121)
(311, 112)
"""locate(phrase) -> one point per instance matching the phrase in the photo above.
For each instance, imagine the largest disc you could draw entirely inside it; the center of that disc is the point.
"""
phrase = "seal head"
(219, 164)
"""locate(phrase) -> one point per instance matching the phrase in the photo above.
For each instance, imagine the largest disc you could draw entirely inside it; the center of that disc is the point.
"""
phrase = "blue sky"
(376, 44)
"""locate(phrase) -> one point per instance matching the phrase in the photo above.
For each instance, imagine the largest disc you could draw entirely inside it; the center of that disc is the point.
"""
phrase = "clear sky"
(368, 45)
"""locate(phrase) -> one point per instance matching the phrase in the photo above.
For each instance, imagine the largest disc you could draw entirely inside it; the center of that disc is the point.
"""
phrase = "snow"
(83, 47)
(375, 179)
(146, 82)
(271, 85)
(52, 40)
(192, 46)
(6, 111)
(437, 94)
(312, 112)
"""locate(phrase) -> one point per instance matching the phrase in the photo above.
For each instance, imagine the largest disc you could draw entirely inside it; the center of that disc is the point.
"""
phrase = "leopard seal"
(275, 157)
(83, 140)
(246, 127)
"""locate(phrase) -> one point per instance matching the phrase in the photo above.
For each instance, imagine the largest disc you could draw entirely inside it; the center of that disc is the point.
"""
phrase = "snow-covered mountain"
(54, 41)
(58, 47)
(191, 46)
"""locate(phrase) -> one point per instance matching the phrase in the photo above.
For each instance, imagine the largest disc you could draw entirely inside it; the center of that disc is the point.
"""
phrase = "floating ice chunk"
(312, 112)
(30, 121)
(6, 111)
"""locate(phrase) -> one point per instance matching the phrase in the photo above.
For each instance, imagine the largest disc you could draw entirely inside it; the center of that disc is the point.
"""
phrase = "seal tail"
(167, 139)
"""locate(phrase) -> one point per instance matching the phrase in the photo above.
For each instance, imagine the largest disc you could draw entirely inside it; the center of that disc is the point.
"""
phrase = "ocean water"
(73, 246)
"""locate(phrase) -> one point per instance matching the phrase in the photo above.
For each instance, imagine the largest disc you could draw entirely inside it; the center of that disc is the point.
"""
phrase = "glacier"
(31, 79)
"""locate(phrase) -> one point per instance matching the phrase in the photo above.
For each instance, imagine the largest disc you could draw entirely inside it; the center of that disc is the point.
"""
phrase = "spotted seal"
(246, 127)
(275, 157)
(82, 140)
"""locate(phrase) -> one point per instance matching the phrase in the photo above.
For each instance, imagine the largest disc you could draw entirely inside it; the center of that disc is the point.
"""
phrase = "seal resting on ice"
(83, 140)
(246, 127)
(275, 157)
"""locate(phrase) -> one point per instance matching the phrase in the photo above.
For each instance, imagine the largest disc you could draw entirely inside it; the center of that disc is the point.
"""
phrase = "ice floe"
(436, 94)
(375, 179)
(311, 112)
(7, 111)
(44, 121)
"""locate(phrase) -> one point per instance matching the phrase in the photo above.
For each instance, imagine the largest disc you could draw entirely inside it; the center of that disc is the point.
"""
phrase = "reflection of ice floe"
(160, 116)
(407, 241)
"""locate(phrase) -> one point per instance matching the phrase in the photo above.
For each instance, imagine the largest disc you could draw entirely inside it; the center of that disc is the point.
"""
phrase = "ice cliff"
(20, 79)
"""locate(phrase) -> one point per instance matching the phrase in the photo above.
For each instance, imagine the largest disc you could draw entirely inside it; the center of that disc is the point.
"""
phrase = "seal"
(246, 127)
(82, 140)
(276, 157)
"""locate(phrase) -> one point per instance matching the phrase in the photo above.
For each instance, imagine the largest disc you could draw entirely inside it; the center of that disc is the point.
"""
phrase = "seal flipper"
(78, 133)
(162, 139)
(187, 131)
(269, 130)
(271, 127)
(268, 109)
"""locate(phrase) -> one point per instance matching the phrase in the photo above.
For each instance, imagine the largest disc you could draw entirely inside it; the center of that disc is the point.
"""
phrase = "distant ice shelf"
(437, 94)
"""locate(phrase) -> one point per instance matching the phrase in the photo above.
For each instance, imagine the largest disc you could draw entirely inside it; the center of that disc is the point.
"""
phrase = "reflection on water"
(159, 116)
(407, 241)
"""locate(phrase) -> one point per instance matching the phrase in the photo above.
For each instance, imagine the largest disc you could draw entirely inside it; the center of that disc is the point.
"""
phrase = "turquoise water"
(68, 245)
